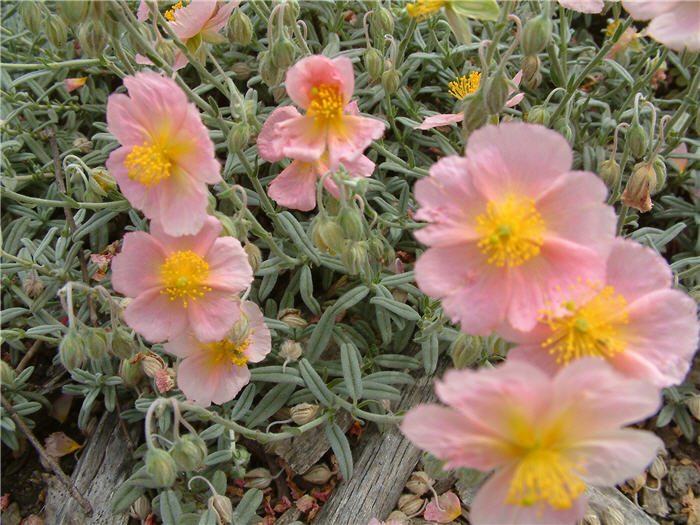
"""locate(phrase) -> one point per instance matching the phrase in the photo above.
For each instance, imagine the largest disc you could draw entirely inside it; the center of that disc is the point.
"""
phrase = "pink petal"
(204, 383)
(176, 194)
(137, 267)
(155, 317)
(74, 83)
(144, 11)
(229, 269)
(534, 354)
(646, 9)
(349, 138)
(451, 508)
(517, 99)
(447, 434)
(680, 163)
(584, 6)
(221, 16)
(125, 122)
(360, 167)
(192, 18)
(443, 119)
(295, 187)
(212, 316)
(490, 508)
(634, 270)
(200, 243)
(612, 457)
(259, 335)
(317, 70)
(183, 346)
(269, 145)
(678, 28)
(301, 139)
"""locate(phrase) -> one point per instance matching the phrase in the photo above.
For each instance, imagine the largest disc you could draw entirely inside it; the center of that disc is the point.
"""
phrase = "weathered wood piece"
(381, 470)
(103, 465)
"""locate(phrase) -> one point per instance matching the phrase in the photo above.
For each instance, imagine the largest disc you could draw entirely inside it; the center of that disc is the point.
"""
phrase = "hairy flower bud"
(381, 22)
(693, 405)
(238, 137)
(56, 30)
(465, 350)
(327, 235)
(32, 16)
(290, 13)
(530, 65)
(410, 504)
(350, 220)
(130, 372)
(121, 343)
(282, 53)
(72, 350)
(640, 185)
(291, 350)
(258, 478)
(660, 170)
(100, 180)
(497, 93)
(73, 11)
(222, 506)
(391, 80)
(269, 72)
(374, 64)
(609, 171)
(254, 255)
(475, 112)
(93, 38)
(536, 35)
(167, 50)
(96, 343)
(7, 374)
(161, 466)
(239, 28)
(303, 413)
(354, 256)
(318, 474)
(539, 115)
(241, 70)
(189, 452)
(637, 140)
(562, 126)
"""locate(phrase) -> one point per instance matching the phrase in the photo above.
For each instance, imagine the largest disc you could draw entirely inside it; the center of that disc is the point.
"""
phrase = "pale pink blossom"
(508, 224)
(74, 83)
(675, 23)
(680, 163)
(295, 186)
(166, 158)
(450, 508)
(443, 119)
(323, 87)
(630, 318)
(216, 372)
(583, 6)
(545, 437)
(181, 284)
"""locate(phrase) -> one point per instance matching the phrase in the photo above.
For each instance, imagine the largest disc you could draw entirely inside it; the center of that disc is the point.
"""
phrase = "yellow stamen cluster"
(326, 103)
(422, 9)
(611, 28)
(183, 276)
(461, 87)
(148, 164)
(512, 231)
(228, 352)
(170, 13)
(590, 329)
(545, 475)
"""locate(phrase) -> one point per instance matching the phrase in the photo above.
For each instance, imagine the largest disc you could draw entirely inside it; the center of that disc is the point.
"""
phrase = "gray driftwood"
(104, 464)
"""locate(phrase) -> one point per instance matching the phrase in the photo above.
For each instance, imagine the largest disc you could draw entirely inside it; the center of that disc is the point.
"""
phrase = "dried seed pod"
(658, 468)
(398, 517)
(223, 507)
(303, 413)
(419, 483)
(258, 478)
(292, 317)
(636, 483)
(290, 350)
(141, 508)
(318, 474)
(410, 504)
(693, 405)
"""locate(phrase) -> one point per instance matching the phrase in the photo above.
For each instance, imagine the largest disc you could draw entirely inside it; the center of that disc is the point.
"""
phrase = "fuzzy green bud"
(7, 374)
(238, 137)
(161, 466)
(354, 256)
(72, 350)
(497, 93)
(136, 43)
(239, 28)
(637, 140)
(93, 38)
(539, 115)
(189, 452)
(562, 126)
(232, 227)
(350, 220)
(167, 50)
(609, 171)
(475, 112)
(536, 35)
(254, 256)
(391, 80)
(290, 12)
(282, 53)
(32, 16)
(381, 22)
(121, 343)
(96, 343)
(465, 350)
(660, 170)
(73, 11)
(97, 9)
(374, 63)
(376, 246)
(327, 235)
(388, 254)
(531, 71)
(101, 181)
(269, 72)
(56, 30)
(130, 372)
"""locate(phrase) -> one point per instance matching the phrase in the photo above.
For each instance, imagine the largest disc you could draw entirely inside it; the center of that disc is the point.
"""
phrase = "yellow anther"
(148, 164)
(184, 276)
(422, 9)
(461, 87)
(326, 103)
(226, 352)
(170, 13)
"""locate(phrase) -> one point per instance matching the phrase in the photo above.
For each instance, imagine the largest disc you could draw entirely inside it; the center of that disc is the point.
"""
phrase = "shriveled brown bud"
(693, 405)
(318, 474)
(303, 413)
(410, 504)
(531, 71)
(258, 478)
(398, 517)
(83, 145)
(658, 468)
(637, 483)
(32, 285)
(141, 508)
(290, 350)
(150, 363)
(292, 317)
(223, 507)
(640, 185)
(419, 483)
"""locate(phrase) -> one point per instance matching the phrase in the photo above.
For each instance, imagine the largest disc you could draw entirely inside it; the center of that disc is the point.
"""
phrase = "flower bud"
(282, 53)
(419, 483)
(609, 171)
(254, 256)
(72, 350)
(693, 405)
(354, 257)
(303, 412)
(56, 30)
(96, 343)
(136, 43)
(410, 504)
(660, 170)
(536, 35)
(32, 285)
(269, 72)
(7, 374)
(73, 11)
(258, 478)
(290, 13)
(531, 71)
(161, 466)
(97, 10)
(150, 363)
(637, 140)
(93, 38)
(32, 16)
(640, 185)
(221, 504)
(637, 483)
(398, 517)
(381, 22)
(327, 235)
(291, 350)
(539, 115)
(241, 70)
(475, 112)
(141, 508)
(374, 64)
(239, 28)
(391, 80)
(350, 220)
(318, 474)
(292, 317)
(130, 372)
(167, 50)
(238, 137)
(562, 126)
(465, 350)
(189, 452)
(233, 227)
(121, 343)
(82, 144)
(497, 93)
(102, 179)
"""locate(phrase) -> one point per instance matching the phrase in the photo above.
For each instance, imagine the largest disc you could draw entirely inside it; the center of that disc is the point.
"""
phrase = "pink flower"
(181, 283)
(509, 223)
(546, 437)
(74, 83)
(631, 318)
(166, 158)
(460, 89)
(450, 505)
(674, 23)
(216, 372)
(680, 163)
(295, 187)
(583, 6)
(323, 87)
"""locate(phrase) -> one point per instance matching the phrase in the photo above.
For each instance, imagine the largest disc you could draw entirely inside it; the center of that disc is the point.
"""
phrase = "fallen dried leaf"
(58, 445)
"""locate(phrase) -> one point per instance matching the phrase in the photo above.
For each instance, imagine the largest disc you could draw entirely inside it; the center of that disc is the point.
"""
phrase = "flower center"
(512, 231)
(545, 475)
(461, 87)
(326, 103)
(422, 9)
(170, 13)
(611, 28)
(228, 352)
(588, 330)
(148, 164)
(184, 275)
